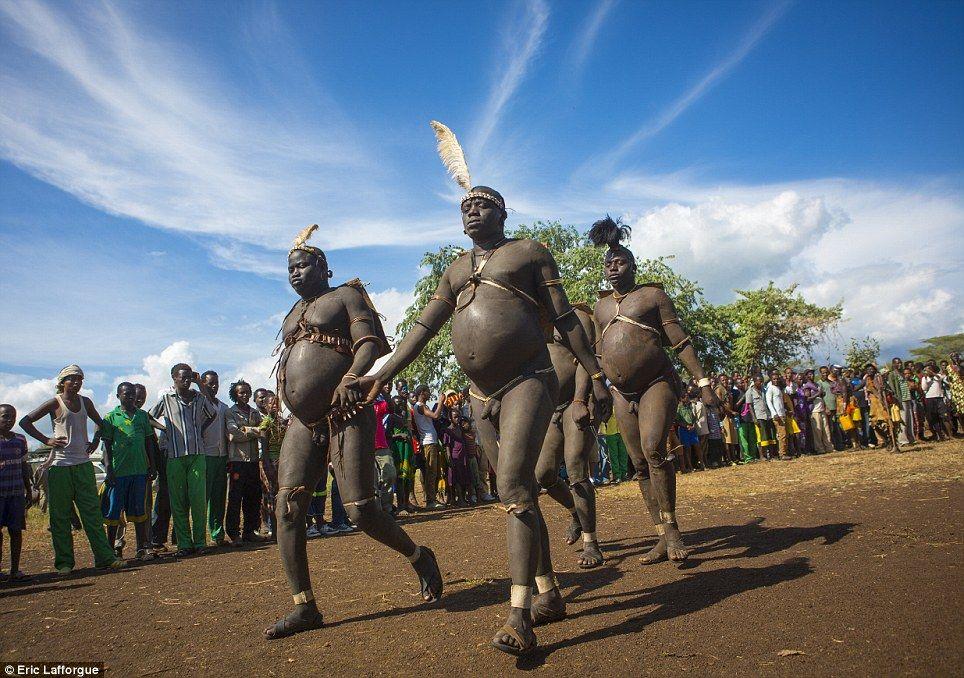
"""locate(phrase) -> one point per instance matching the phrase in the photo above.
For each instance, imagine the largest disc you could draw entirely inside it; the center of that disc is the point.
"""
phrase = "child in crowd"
(274, 425)
(459, 476)
(14, 489)
(686, 431)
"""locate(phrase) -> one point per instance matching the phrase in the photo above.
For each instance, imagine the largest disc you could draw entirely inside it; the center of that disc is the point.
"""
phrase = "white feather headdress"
(451, 154)
(301, 241)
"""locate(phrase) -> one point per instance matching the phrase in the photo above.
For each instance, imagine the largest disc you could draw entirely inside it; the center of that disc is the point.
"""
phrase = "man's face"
(183, 378)
(775, 377)
(212, 382)
(72, 384)
(243, 393)
(620, 270)
(896, 364)
(386, 390)
(141, 396)
(456, 416)
(758, 381)
(307, 273)
(907, 373)
(483, 219)
(262, 399)
(824, 372)
(127, 395)
(7, 417)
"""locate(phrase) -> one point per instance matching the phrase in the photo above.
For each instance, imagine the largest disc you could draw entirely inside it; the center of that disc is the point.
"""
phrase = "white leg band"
(589, 536)
(660, 530)
(415, 556)
(668, 516)
(545, 582)
(304, 597)
(521, 596)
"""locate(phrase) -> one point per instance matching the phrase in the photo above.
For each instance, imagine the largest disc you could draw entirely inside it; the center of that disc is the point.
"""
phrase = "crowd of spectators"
(197, 473)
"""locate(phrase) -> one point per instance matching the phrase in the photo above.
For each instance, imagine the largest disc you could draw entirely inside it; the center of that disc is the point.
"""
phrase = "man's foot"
(302, 618)
(119, 551)
(313, 532)
(488, 497)
(548, 607)
(655, 554)
(144, 555)
(114, 565)
(64, 571)
(253, 538)
(184, 553)
(574, 531)
(429, 575)
(159, 548)
(675, 550)
(327, 530)
(516, 636)
(19, 576)
(591, 555)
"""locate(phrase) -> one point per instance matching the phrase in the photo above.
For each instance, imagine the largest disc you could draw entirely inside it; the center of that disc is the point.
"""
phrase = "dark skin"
(570, 437)
(127, 395)
(71, 396)
(497, 338)
(317, 379)
(635, 362)
(8, 416)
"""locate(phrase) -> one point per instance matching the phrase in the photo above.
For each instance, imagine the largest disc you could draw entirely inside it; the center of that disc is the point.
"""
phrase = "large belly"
(562, 362)
(496, 337)
(632, 358)
(311, 374)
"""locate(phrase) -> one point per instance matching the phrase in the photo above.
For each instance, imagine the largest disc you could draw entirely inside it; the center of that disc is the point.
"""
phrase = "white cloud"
(147, 127)
(668, 115)
(155, 373)
(522, 42)
(586, 37)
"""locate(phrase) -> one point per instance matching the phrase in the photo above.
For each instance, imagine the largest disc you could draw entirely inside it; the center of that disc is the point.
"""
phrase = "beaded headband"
(487, 196)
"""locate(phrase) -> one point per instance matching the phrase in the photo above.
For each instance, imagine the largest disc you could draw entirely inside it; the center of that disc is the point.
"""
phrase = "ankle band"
(660, 530)
(668, 516)
(415, 556)
(546, 582)
(521, 596)
(588, 536)
(304, 597)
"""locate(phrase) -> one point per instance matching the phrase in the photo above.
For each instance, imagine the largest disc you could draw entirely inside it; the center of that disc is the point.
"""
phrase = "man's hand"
(369, 387)
(59, 441)
(580, 414)
(347, 393)
(91, 446)
(603, 401)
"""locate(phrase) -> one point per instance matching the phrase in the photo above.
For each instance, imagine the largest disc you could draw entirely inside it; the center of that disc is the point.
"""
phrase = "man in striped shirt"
(187, 414)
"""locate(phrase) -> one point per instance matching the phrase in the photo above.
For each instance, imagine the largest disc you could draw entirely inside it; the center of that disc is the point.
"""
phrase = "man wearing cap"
(70, 480)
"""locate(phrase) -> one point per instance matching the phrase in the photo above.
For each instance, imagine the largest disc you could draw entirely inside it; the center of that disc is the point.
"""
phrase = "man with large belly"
(331, 335)
(634, 322)
(497, 295)
(570, 437)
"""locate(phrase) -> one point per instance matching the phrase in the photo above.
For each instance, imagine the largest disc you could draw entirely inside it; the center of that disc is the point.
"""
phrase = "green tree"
(581, 268)
(774, 326)
(938, 348)
(862, 351)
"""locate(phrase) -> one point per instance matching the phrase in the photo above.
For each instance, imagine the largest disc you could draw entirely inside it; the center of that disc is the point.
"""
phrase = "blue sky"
(156, 159)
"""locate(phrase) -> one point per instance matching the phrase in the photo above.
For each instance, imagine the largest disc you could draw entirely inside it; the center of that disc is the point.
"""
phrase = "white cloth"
(774, 397)
(72, 426)
(932, 387)
(699, 414)
(426, 426)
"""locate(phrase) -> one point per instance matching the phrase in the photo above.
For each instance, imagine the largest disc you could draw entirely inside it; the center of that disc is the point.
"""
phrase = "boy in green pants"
(187, 415)
(617, 450)
(70, 478)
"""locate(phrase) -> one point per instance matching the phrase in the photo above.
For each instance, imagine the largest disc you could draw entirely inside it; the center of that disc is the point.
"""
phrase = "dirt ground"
(847, 563)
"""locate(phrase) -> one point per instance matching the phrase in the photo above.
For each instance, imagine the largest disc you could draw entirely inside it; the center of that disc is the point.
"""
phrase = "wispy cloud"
(669, 114)
(586, 37)
(138, 124)
(523, 39)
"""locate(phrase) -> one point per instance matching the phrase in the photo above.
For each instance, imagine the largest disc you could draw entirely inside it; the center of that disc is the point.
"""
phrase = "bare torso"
(633, 357)
(498, 335)
(313, 370)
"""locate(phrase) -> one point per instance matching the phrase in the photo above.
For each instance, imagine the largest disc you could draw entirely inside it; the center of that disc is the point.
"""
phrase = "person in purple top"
(459, 476)
(14, 488)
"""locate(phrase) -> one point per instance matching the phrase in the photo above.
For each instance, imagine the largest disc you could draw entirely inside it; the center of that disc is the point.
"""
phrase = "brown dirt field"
(850, 560)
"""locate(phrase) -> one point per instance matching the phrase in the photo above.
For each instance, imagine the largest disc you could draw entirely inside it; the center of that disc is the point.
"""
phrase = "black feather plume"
(609, 231)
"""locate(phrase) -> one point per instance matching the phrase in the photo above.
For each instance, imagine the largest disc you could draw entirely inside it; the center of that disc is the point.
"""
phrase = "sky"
(157, 159)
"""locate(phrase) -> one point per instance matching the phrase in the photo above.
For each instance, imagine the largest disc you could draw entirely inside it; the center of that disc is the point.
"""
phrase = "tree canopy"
(938, 348)
(766, 327)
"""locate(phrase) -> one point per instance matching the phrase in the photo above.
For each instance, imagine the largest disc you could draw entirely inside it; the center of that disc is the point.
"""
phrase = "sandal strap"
(515, 635)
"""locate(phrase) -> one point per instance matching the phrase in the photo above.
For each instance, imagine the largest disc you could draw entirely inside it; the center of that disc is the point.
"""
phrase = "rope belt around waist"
(315, 336)
(502, 391)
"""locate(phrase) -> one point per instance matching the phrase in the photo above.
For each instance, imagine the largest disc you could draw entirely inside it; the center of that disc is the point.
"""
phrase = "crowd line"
(197, 473)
